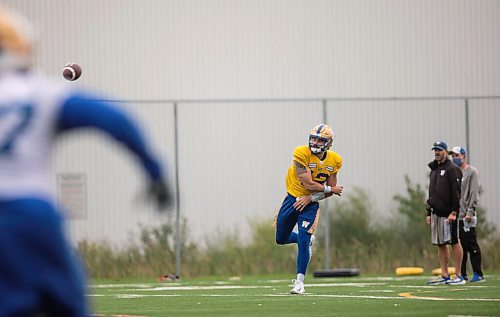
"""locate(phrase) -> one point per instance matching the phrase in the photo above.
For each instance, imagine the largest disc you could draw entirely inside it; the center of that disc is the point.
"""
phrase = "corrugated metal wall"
(170, 49)
(382, 141)
(233, 155)
(485, 151)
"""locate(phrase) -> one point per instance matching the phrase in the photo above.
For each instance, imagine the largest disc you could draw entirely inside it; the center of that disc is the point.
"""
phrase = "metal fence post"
(177, 199)
(326, 213)
(467, 131)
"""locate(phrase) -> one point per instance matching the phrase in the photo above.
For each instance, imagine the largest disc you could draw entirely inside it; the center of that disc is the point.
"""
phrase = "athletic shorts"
(442, 231)
(39, 273)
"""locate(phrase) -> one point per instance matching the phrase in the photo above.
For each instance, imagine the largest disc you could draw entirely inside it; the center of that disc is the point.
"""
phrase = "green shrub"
(356, 240)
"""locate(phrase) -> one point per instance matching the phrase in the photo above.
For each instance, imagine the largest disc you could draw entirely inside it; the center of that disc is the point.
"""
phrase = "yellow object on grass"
(451, 270)
(409, 270)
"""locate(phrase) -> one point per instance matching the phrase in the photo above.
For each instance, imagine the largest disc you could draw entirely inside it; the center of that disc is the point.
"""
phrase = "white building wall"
(177, 49)
(382, 141)
(233, 156)
(484, 152)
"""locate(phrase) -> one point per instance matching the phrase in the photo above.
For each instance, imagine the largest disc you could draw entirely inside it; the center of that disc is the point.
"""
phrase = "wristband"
(317, 197)
(327, 189)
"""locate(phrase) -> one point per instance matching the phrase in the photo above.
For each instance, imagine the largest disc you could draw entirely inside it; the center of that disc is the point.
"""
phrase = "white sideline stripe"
(130, 296)
(344, 284)
(192, 288)
(223, 287)
(127, 296)
(179, 286)
(124, 285)
(436, 287)
(337, 296)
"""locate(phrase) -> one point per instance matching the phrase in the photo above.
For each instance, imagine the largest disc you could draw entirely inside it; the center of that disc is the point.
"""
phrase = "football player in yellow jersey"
(311, 178)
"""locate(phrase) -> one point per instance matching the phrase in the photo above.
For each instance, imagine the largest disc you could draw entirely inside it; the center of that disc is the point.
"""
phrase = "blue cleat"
(456, 281)
(439, 281)
(476, 278)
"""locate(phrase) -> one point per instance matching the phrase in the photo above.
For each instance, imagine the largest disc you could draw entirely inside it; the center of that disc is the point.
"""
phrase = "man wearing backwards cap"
(442, 210)
(467, 215)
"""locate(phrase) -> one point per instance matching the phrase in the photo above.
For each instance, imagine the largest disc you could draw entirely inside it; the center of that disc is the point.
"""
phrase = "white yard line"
(196, 288)
(130, 290)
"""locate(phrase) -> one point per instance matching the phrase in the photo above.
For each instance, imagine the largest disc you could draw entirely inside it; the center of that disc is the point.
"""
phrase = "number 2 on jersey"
(13, 122)
(321, 178)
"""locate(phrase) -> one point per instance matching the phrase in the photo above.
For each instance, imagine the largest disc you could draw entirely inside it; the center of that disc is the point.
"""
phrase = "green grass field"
(264, 296)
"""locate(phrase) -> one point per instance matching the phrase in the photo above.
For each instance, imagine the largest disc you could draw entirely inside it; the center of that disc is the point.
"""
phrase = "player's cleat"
(298, 287)
(458, 280)
(311, 243)
(439, 281)
(476, 278)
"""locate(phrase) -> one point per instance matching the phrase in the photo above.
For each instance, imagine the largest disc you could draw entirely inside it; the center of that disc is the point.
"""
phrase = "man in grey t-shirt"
(467, 215)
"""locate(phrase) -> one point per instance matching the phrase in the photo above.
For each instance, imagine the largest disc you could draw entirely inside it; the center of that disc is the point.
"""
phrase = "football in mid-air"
(72, 71)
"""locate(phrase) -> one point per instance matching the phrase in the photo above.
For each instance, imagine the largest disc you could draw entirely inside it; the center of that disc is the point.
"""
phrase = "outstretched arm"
(80, 111)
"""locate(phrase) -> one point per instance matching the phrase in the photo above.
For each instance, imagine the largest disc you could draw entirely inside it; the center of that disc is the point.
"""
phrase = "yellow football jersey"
(320, 169)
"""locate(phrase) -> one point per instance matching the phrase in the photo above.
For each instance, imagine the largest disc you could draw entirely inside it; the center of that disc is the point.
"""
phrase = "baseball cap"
(458, 150)
(440, 145)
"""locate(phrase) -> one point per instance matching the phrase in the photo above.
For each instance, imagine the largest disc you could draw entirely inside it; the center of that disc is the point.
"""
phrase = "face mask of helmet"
(315, 147)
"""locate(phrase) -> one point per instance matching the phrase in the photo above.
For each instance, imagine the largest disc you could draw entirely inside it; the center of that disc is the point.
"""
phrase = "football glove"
(161, 194)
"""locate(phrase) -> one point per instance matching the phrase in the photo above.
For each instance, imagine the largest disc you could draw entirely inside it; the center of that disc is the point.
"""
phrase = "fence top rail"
(325, 99)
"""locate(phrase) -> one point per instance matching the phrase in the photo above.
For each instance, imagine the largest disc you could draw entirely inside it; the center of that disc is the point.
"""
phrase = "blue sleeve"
(80, 111)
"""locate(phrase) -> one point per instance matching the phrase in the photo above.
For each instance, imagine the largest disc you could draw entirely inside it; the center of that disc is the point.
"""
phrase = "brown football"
(72, 71)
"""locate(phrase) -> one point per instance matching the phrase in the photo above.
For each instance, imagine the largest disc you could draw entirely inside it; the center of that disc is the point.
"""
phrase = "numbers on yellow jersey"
(320, 177)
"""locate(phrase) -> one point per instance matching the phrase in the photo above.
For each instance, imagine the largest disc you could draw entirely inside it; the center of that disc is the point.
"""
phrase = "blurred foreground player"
(311, 178)
(39, 276)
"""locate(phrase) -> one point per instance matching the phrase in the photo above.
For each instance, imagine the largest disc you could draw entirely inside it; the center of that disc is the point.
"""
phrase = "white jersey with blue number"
(29, 106)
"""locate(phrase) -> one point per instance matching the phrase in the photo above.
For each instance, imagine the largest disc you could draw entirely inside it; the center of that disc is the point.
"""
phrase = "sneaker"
(456, 281)
(477, 278)
(298, 287)
(465, 277)
(439, 281)
(311, 242)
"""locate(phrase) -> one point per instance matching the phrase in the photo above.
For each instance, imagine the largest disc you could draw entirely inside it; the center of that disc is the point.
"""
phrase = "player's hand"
(302, 202)
(160, 193)
(337, 190)
(452, 217)
(428, 220)
(468, 218)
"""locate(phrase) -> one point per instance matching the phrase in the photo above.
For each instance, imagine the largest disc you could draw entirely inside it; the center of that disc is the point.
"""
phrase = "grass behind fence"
(357, 239)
